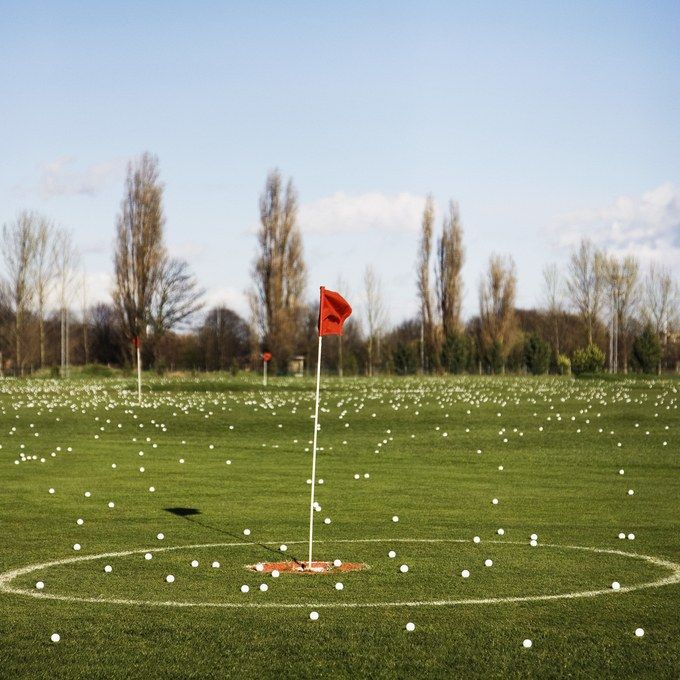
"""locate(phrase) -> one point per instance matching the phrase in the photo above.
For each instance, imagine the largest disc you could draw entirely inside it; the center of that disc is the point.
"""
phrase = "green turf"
(418, 439)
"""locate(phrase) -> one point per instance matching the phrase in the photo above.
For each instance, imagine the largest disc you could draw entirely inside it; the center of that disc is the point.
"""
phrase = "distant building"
(296, 366)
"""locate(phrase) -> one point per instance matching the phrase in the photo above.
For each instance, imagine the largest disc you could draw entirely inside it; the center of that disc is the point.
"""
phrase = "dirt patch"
(291, 567)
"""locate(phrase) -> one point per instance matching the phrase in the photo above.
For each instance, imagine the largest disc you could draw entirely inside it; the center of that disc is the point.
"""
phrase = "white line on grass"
(7, 577)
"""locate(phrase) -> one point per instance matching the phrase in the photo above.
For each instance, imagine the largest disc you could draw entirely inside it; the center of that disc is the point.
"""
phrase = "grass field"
(225, 455)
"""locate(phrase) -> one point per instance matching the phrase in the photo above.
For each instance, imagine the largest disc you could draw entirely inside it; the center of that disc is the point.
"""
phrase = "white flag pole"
(264, 379)
(139, 373)
(316, 430)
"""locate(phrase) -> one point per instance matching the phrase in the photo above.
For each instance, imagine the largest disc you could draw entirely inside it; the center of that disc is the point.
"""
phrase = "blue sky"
(545, 121)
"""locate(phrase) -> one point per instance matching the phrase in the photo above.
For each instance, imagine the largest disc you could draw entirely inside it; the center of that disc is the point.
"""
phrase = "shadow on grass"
(189, 514)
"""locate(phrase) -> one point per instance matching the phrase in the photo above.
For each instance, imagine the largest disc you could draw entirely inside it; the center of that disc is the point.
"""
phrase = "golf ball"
(527, 643)
(639, 632)
(170, 578)
(403, 568)
(314, 616)
(410, 627)
(55, 637)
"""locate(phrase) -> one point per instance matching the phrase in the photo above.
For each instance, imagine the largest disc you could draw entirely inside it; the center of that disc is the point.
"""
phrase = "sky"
(546, 122)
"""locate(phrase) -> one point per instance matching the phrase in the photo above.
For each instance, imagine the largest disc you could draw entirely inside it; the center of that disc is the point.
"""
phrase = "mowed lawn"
(225, 455)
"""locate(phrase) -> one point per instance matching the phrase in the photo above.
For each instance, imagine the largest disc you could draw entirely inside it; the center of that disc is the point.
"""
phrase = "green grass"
(560, 482)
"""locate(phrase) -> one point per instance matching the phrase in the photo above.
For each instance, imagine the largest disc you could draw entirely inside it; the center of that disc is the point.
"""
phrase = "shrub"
(456, 353)
(536, 354)
(647, 351)
(563, 364)
(588, 360)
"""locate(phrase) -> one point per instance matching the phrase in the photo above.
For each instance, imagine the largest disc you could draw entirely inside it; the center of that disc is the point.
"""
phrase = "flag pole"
(264, 379)
(316, 429)
(139, 373)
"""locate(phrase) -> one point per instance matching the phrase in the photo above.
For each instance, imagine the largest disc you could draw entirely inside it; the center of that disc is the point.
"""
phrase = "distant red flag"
(135, 341)
(267, 356)
(333, 310)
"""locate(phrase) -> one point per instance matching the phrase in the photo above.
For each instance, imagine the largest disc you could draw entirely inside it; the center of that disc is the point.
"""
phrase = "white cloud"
(365, 212)
(647, 226)
(62, 177)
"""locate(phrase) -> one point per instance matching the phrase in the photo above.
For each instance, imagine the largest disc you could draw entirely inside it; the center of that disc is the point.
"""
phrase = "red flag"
(333, 310)
(135, 342)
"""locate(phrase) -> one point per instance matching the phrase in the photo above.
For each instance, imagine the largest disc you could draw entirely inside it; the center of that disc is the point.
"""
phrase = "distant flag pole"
(333, 311)
(266, 358)
(137, 345)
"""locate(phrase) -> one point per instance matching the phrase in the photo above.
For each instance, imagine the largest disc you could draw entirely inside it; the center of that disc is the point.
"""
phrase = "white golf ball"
(533, 544)
(639, 632)
(337, 563)
(55, 637)
(215, 565)
(246, 532)
(259, 566)
(245, 588)
(327, 520)
(488, 563)
(170, 578)
(631, 537)
(148, 556)
(527, 643)
(501, 532)
(80, 522)
(194, 563)
(410, 627)
(339, 586)
(403, 568)
(314, 616)
(391, 553)
(534, 537)
(630, 492)
(622, 535)
(39, 585)
(152, 489)
(160, 537)
(76, 546)
(616, 585)
(465, 573)
(112, 504)
(395, 518)
(275, 573)
(51, 490)
(264, 587)
(283, 547)
(108, 568)
(495, 501)
(476, 539)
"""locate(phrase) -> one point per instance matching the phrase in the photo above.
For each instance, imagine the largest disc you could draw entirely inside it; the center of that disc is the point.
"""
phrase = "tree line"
(601, 312)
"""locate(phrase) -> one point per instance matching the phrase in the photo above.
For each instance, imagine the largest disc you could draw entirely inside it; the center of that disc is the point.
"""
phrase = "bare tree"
(279, 273)
(428, 326)
(344, 289)
(66, 265)
(497, 310)
(177, 297)
(552, 301)
(451, 257)
(662, 300)
(584, 284)
(140, 252)
(375, 316)
(85, 314)
(43, 273)
(620, 281)
(18, 253)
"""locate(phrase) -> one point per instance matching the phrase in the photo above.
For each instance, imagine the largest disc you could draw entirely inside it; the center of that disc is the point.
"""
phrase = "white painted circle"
(7, 577)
